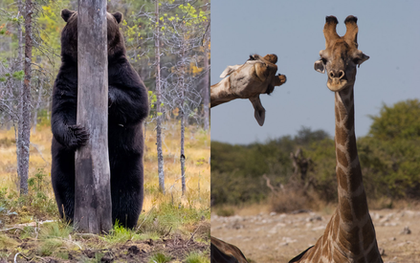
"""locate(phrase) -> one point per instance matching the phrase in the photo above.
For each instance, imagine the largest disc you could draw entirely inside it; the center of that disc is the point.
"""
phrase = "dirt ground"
(270, 237)
(174, 247)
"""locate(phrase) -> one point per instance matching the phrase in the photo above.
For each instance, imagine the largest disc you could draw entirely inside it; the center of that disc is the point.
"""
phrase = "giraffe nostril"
(340, 74)
(334, 74)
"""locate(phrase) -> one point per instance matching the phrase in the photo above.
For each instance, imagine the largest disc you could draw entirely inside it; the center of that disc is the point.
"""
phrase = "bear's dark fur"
(128, 107)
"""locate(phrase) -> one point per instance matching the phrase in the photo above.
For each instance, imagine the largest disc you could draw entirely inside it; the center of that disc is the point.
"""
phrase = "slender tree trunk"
(19, 85)
(206, 82)
(158, 102)
(182, 116)
(25, 124)
(182, 158)
(93, 208)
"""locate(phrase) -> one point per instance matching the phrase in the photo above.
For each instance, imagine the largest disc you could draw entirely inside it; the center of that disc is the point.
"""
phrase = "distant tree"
(390, 155)
(159, 112)
(26, 104)
(305, 136)
(26, 66)
(401, 121)
(183, 36)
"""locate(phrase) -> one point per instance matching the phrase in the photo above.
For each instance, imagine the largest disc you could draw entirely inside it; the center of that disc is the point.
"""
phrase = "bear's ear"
(118, 16)
(66, 14)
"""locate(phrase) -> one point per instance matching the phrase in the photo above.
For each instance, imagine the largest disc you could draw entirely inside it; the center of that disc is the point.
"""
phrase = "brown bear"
(128, 107)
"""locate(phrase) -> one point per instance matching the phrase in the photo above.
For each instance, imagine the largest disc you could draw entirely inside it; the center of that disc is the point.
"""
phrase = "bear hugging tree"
(128, 107)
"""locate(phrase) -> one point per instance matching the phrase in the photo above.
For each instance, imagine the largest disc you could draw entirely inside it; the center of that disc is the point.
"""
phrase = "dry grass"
(171, 215)
(197, 152)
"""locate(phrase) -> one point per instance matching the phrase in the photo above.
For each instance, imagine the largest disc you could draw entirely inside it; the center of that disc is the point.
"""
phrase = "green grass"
(159, 258)
(195, 257)
(55, 238)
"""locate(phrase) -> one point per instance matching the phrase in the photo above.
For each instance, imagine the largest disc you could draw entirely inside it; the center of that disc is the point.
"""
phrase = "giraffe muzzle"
(336, 74)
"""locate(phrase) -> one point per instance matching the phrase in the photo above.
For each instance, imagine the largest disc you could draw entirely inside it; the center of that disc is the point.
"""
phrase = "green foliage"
(389, 156)
(322, 154)
(237, 170)
(401, 121)
(119, 234)
(35, 205)
(38, 199)
(19, 75)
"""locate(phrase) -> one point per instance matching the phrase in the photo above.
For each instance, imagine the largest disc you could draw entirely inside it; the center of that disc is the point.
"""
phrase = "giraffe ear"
(259, 111)
(362, 58)
(319, 66)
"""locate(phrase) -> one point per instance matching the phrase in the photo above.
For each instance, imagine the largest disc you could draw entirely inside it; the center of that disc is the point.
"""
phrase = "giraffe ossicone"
(247, 81)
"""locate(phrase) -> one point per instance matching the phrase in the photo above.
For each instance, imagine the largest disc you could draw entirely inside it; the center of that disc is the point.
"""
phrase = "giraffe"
(222, 252)
(256, 76)
(350, 234)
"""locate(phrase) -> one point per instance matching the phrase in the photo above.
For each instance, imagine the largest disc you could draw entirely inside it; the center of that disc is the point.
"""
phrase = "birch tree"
(184, 33)
(25, 107)
(206, 81)
(158, 101)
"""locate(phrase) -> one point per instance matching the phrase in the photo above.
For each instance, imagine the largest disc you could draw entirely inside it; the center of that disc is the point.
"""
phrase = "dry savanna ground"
(171, 228)
(265, 236)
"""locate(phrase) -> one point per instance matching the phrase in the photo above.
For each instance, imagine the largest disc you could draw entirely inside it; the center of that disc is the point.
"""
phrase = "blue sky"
(388, 33)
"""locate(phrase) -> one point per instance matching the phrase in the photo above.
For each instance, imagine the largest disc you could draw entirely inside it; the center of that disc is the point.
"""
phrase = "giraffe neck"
(349, 175)
(355, 234)
(221, 92)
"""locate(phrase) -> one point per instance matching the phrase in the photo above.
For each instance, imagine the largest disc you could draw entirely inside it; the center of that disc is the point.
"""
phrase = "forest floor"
(266, 237)
(171, 227)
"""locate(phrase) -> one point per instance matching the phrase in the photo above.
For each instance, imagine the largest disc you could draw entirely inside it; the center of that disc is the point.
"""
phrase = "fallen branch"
(36, 148)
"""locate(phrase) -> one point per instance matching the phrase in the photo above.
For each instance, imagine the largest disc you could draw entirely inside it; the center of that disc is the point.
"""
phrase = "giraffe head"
(248, 81)
(341, 54)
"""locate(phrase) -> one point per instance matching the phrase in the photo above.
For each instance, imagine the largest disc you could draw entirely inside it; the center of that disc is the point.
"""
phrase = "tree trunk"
(25, 118)
(182, 158)
(93, 211)
(19, 85)
(158, 102)
(182, 116)
(206, 83)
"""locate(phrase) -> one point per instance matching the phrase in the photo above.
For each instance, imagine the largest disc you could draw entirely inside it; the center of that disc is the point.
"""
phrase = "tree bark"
(206, 83)
(25, 118)
(19, 85)
(93, 211)
(182, 117)
(158, 102)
